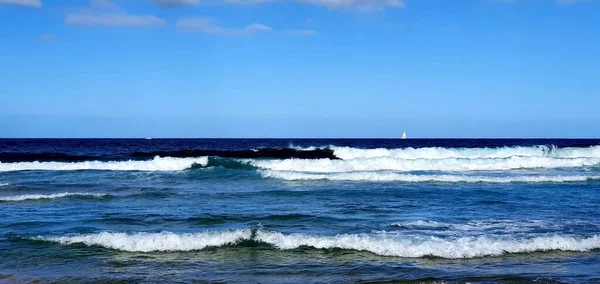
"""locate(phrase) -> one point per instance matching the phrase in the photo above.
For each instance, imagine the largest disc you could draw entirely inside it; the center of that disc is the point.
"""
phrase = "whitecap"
(156, 164)
(394, 164)
(384, 244)
(149, 242)
(49, 196)
(348, 153)
(421, 246)
(398, 177)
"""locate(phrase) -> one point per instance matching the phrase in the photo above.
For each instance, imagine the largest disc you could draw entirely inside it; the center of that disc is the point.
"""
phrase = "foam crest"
(398, 177)
(4, 184)
(149, 242)
(479, 227)
(420, 224)
(348, 153)
(383, 244)
(156, 164)
(465, 247)
(394, 164)
(49, 196)
(310, 148)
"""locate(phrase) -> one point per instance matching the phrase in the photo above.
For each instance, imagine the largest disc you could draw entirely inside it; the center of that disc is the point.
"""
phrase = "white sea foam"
(384, 244)
(465, 247)
(48, 196)
(156, 164)
(418, 224)
(486, 226)
(148, 242)
(395, 164)
(311, 148)
(391, 176)
(348, 153)
(4, 184)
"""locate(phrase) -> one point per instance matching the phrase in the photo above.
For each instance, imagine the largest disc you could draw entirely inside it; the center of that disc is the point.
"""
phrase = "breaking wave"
(4, 184)
(383, 244)
(396, 164)
(348, 153)
(325, 160)
(156, 164)
(50, 196)
(273, 153)
(390, 176)
(403, 246)
(149, 242)
(329, 152)
(496, 227)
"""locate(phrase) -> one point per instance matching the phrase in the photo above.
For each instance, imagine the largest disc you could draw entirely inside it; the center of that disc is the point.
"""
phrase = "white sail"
(403, 135)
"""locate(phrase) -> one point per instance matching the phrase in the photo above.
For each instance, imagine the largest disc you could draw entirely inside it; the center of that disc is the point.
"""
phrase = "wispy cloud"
(299, 32)
(558, 2)
(93, 18)
(24, 3)
(103, 4)
(165, 4)
(207, 26)
(361, 5)
(247, 2)
(47, 37)
(107, 13)
(568, 2)
(358, 5)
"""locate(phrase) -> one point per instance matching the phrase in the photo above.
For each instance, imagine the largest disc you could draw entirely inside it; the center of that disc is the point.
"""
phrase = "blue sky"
(300, 68)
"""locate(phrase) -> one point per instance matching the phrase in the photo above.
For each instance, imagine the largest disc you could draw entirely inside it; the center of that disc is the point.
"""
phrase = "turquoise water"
(360, 211)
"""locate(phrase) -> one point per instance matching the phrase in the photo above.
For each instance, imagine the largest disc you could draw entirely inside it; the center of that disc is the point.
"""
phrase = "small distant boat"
(148, 138)
(403, 135)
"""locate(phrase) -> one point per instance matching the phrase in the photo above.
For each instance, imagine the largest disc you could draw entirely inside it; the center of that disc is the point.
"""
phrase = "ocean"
(300, 210)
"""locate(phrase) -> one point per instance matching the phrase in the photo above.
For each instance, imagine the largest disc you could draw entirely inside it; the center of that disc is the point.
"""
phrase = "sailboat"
(403, 135)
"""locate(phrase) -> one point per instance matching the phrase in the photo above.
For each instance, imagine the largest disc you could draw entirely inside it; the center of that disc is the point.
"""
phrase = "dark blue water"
(299, 210)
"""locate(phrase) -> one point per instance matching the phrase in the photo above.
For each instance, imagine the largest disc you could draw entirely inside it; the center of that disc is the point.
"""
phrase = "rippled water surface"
(300, 210)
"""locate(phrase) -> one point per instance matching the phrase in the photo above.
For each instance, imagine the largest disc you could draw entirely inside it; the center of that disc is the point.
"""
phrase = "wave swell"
(50, 196)
(395, 164)
(391, 176)
(149, 242)
(347, 153)
(383, 244)
(330, 152)
(156, 164)
(272, 153)
(342, 160)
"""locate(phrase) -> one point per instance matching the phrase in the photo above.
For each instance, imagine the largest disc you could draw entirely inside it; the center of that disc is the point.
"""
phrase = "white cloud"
(107, 13)
(93, 18)
(207, 26)
(165, 4)
(362, 5)
(299, 32)
(248, 2)
(25, 3)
